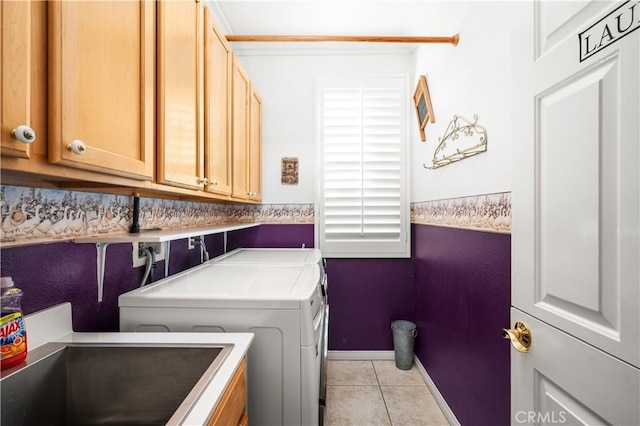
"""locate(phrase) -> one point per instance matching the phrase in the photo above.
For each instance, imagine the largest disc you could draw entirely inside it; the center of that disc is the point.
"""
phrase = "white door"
(576, 212)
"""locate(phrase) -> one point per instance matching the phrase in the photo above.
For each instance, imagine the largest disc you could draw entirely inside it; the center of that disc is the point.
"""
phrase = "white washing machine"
(281, 304)
(292, 256)
(305, 256)
(277, 256)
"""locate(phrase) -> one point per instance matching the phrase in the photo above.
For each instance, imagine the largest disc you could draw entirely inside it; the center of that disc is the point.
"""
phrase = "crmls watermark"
(538, 417)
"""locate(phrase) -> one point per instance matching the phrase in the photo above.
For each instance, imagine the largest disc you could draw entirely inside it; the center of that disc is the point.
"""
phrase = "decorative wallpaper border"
(490, 212)
(36, 215)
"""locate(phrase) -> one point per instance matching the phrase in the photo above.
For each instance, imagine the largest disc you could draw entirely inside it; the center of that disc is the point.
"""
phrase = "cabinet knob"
(24, 134)
(215, 182)
(203, 181)
(77, 147)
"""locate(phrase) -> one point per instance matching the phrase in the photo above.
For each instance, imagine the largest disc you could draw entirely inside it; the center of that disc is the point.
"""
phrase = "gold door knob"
(520, 336)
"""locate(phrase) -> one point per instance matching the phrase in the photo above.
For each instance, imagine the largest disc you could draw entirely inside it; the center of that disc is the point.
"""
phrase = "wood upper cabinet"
(255, 146)
(102, 86)
(247, 137)
(217, 95)
(240, 120)
(16, 134)
(180, 94)
(132, 94)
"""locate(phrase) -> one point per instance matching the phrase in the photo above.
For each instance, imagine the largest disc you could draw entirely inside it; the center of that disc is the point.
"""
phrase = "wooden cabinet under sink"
(231, 409)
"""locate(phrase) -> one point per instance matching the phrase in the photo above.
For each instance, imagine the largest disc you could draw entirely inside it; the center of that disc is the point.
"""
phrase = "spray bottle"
(13, 335)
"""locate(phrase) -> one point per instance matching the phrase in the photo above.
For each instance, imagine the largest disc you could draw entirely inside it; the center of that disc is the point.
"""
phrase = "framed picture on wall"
(422, 102)
(289, 171)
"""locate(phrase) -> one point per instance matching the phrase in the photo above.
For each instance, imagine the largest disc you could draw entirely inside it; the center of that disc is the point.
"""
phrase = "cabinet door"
(240, 120)
(255, 147)
(231, 408)
(180, 88)
(101, 86)
(15, 67)
(217, 110)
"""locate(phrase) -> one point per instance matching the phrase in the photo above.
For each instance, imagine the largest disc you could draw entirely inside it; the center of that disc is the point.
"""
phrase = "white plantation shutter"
(362, 201)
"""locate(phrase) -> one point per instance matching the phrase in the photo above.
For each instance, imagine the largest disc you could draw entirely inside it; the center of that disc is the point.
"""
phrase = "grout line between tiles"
(421, 386)
(381, 393)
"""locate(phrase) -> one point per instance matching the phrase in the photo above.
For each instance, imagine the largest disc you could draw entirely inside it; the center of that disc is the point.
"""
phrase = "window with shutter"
(362, 203)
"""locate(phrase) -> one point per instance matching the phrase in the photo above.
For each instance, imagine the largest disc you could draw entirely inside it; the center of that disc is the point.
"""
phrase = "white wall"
(287, 86)
(472, 78)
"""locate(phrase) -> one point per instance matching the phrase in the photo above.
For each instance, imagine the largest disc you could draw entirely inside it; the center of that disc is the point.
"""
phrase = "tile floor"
(377, 393)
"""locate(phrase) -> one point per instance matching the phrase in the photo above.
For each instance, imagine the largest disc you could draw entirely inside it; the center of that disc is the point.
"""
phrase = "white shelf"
(160, 236)
(163, 235)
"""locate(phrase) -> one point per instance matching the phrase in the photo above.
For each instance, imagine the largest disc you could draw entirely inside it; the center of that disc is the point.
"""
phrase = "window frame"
(365, 248)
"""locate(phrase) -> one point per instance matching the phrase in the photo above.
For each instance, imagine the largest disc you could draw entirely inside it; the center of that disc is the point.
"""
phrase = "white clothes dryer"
(292, 256)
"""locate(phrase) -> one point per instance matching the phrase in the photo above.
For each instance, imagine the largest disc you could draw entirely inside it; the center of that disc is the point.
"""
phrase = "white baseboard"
(360, 355)
(446, 410)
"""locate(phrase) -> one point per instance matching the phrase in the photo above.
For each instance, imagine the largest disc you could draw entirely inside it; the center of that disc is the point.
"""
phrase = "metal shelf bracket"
(101, 249)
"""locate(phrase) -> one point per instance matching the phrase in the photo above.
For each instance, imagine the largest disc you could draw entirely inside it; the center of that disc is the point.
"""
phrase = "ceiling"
(330, 17)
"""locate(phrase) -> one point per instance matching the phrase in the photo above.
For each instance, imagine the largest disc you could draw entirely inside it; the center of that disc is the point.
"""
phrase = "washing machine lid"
(306, 256)
(218, 285)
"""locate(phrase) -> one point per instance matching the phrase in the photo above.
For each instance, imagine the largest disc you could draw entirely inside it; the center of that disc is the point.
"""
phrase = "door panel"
(581, 177)
(568, 377)
(557, 20)
(576, 216)
(577, 254)
(560, 406)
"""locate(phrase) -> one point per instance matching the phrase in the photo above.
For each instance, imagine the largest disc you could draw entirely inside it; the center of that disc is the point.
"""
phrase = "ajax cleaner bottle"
(13, 336)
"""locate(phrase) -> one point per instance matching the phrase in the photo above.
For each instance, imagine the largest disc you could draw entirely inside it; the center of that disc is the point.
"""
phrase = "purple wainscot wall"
(365, 296)
(462, 281)
(54, 273)
(272, 236)
(456, 288)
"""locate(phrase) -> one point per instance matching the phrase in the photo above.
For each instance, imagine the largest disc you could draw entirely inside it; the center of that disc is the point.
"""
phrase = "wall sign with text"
(619, 23)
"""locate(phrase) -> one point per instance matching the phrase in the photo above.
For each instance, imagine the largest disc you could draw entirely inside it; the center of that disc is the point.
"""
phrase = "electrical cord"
(203, 248)
(150, 253)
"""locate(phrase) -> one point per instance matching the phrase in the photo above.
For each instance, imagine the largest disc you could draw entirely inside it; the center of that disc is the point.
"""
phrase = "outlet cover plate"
(139, 259)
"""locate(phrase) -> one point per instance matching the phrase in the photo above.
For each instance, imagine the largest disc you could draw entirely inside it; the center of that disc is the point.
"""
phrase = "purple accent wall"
(54, 273)
(365, 296)
(462, 287)
(456, 288)
(273, 236)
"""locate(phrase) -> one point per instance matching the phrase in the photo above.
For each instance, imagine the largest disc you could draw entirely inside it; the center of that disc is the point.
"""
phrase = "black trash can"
(404, 333)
